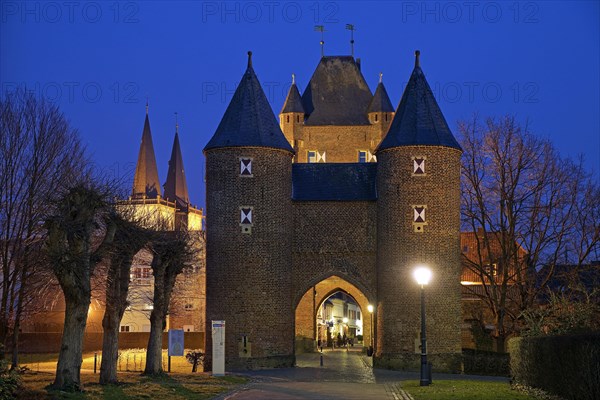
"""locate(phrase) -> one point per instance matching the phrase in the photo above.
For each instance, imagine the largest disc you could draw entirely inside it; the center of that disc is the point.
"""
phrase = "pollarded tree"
(130, 238)
(519, 197)
(80, 232)
(171, 252)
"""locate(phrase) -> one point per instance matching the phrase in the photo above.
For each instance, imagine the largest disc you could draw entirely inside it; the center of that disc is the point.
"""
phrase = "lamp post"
(370, 350)
(422, 276)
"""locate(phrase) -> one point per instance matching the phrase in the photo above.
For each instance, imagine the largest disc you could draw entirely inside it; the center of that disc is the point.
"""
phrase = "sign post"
(175, 344)
(218, 348)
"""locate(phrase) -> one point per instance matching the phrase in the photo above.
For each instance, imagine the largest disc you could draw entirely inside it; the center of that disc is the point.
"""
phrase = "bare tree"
(519, 197)
(172, 251)
(38, 150)
(82, 218)
(130, 238)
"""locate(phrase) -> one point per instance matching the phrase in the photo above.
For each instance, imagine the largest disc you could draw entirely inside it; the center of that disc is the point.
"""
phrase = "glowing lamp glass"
(370, 308)
(422, 275)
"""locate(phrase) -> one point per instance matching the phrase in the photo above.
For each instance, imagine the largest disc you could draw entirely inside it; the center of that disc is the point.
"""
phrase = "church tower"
(418, 223)
(249, 232)
(292, 114)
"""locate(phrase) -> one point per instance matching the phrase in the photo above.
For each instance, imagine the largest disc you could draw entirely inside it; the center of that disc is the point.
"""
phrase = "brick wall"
(400, 249)
(248, 276)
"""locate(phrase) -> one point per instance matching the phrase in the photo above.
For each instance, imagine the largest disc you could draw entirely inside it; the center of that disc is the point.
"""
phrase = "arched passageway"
(332, 306)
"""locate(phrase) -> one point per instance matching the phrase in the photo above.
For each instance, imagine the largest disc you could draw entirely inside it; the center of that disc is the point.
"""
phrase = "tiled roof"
(337, 93)
(334, 182)
(381, 101)
(418, 119)
(249, 120)
(293, 101)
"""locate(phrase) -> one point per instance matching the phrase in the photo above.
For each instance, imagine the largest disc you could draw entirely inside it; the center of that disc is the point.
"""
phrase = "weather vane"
(176, 123)
(351, 28)
(321, 28)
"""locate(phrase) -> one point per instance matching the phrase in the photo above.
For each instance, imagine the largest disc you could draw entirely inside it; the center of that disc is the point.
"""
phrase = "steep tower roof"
(381, 101)
(337, 93)
(293, 101)
(145, 180)
(418, 119)
(176, 184)
(249, 120)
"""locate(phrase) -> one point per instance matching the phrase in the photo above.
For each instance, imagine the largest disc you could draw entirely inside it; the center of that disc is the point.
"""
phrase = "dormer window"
(314, 156)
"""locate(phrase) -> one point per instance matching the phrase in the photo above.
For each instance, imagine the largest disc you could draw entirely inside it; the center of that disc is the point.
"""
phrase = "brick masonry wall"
(340, 143)
(400, 250)
(248, 276)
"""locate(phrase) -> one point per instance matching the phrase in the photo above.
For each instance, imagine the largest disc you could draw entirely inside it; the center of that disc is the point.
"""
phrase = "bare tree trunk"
(71, 348)
(18, 314)
(154, 352)
(110, 344)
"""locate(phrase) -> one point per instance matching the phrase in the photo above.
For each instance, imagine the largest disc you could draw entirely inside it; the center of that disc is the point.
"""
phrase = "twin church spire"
(146, 182)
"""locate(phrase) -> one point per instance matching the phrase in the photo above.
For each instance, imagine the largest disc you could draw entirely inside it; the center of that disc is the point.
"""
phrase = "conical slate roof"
(249, 120)
(145, 180)
(176, 184)
(418, 119)
(381, 101)
(337, 93)
(293, 101)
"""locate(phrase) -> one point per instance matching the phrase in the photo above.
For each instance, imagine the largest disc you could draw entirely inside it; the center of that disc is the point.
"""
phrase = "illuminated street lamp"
(422, 276)
(370, 349)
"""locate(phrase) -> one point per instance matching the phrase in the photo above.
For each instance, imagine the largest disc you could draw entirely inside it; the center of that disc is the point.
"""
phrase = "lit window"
(491, 269)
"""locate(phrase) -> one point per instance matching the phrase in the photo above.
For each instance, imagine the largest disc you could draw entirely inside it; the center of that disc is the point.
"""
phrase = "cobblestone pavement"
(344, 375)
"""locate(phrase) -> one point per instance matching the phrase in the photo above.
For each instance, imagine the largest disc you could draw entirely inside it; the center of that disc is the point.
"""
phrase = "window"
(419, 165)
(465, 249)
(246, 166)
(189, 306)
(287, 118)
(245, 215)
(141, 275)
(491, 269)
(124, 328)
(419, 220)
(297, 118)
(358, 315)
(362, 156)
(313, 156)
(375, 117)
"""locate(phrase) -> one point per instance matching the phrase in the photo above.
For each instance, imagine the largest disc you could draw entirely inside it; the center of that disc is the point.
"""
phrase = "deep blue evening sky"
(99, 61)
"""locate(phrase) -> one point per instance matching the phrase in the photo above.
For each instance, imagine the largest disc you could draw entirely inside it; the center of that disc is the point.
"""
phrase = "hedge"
(567, 366)
(479, 362)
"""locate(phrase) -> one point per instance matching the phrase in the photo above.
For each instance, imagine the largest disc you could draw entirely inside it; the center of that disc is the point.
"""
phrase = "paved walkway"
(344, 375)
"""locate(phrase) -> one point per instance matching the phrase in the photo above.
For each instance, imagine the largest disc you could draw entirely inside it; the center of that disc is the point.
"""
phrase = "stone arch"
(308, 303)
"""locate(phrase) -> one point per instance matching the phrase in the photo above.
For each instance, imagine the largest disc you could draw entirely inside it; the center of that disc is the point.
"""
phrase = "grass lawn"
(133, 386)
(464, 390)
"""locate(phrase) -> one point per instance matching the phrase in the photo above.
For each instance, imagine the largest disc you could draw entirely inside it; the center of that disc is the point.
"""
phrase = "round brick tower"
(249, 232)
(418, 223)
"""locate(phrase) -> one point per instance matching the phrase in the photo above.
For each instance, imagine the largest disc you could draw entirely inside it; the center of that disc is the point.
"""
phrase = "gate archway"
(308, 323)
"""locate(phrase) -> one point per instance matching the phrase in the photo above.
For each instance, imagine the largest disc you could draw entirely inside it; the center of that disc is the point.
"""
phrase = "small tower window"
(419, 220)
(246, 218)
(375, 117)
(287, 118)
(297, 118)
(419, 165)
(246, 167)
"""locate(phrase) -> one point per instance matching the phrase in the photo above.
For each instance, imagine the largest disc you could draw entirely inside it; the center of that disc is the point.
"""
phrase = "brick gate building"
(344, 193)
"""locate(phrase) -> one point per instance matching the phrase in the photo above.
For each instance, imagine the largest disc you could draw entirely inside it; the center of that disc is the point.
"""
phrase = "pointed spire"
(293, 101)
(249, 59)
(381, 101)
(176, 184)
(249, 120)
(146, 105)
(145, 180)
(418, 119)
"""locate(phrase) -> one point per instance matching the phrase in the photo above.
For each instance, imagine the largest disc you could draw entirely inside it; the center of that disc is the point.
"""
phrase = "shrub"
(10, 381)
(195, 357)
(567, 365)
